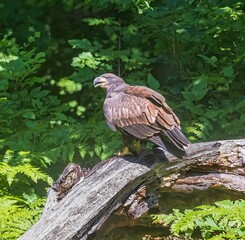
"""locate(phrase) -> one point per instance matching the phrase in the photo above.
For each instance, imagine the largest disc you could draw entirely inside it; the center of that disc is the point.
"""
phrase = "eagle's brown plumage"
(142, 113)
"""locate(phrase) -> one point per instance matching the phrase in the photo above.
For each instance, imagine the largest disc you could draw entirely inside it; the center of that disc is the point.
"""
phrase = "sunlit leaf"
(29, 115)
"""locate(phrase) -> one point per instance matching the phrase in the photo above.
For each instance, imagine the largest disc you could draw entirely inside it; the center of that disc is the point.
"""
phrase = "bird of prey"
(140, 113)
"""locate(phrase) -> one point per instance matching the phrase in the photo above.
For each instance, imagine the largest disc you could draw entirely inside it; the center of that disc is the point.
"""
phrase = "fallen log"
(133, 184)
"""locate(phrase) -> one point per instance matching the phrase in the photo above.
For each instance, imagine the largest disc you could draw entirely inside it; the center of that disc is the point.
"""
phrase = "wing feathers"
(125, 112)
(134, 109)
(150, 118)
(108, 114)
(152, 109)
(166, 120)
(141, 131)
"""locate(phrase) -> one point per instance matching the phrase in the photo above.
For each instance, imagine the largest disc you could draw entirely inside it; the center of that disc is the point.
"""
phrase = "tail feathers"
(166, 145)
(177, 138)
(174, 141)
(158, 141)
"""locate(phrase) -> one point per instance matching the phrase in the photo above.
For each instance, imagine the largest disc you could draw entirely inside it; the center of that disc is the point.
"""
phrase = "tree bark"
(133, 184)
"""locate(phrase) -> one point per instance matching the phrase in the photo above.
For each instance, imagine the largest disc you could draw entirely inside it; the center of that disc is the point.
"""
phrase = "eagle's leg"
(137, 147)
(127, 142)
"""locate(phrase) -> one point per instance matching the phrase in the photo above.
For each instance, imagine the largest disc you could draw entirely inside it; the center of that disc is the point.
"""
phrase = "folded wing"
(144, 114)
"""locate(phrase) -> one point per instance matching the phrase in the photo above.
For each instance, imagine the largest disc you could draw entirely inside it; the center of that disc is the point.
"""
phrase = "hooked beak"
(100, 82)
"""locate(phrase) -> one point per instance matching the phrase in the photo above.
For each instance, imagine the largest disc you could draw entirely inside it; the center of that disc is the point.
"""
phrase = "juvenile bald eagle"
(141, 113)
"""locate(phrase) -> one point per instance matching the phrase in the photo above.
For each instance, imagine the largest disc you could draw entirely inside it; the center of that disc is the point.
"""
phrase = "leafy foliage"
(36, 131)
(224, 220)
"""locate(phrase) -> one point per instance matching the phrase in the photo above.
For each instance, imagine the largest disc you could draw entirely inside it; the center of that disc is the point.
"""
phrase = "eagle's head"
(108, 81)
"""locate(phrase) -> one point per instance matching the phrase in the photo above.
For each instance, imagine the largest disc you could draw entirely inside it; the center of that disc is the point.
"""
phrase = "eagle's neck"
(117, 88)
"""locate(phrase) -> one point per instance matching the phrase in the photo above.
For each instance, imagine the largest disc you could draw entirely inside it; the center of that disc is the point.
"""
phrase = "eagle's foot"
(125, 152)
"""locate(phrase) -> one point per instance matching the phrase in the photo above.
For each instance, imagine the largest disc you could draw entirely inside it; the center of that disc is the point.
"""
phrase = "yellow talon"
(135, 148)
(125, 152)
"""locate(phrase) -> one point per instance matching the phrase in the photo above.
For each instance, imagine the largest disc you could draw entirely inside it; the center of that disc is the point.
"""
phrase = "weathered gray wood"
(207, 165)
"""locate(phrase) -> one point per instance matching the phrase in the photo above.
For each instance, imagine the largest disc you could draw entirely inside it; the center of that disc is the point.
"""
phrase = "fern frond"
(16, 217)
(27, 169)
(224, 220)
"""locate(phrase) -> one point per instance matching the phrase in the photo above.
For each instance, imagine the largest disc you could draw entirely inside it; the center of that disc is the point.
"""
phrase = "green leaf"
(97, 21)
(4, 83)
(240, 105)
(30, 124)
(152, 82)
(228, 71)
(182, 30)
(197, 109)
(85, 44)
(213, 59)
(37, 34)
(23, 93)
(29, 115)
(82, 151)
(85, 59)
(200, 88)
(80, 44)
(31, 39)
(97, 150)
(207, 59)
(39, 57)
(189, 96)
(16, 65)
(211, 223)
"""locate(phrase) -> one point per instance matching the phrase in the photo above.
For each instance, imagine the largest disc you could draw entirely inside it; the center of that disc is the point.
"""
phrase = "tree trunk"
(133, 184)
